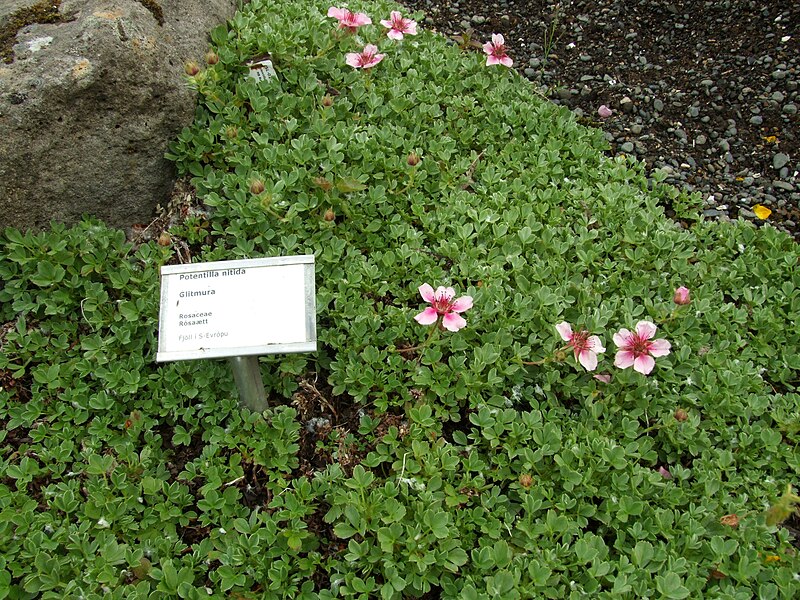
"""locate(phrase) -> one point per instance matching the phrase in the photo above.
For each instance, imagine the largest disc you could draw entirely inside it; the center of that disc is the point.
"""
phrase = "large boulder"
(89, 102)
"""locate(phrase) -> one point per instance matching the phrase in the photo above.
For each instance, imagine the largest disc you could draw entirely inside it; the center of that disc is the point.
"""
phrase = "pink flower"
(348, 20)
(636, 349)
(442, 303)
(365, 59)
(681, 296)
(496, 49)
(604, 111)
(398, 26)
(586, 346)
(604, 377)
(664, 472)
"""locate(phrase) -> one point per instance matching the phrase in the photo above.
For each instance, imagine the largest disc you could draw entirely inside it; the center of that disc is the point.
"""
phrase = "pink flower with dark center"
(496, 49)
(348, 20)
(586, 346)
(604, 112)
(681, 296)
(442, 304)
(365, 59)
(398, 26)
(637, 350)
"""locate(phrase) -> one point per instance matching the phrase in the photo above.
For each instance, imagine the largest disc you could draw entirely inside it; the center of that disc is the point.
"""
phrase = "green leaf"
(670, 586)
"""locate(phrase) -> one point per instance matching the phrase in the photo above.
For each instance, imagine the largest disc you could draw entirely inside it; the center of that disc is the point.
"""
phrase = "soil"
(705, 90)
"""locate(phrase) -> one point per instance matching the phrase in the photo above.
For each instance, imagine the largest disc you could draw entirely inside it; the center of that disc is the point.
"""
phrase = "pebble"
(783, 185)
(627, 147)
(658, 105)
(757, 120)
(701, 140)
(626, 104)
(790, 109)
(779, 160)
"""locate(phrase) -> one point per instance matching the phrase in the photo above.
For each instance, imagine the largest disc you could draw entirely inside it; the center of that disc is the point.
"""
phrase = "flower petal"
(462, 304)
(645, 329)
(353, 59)
(492, 60)
(427, 316)
(498, 39)
(506, 61)
(595, 345)
(426, 291)
(564, 330)
(644, 363)
(488, 48)
(588, 359)
(393, 34)
(623, 338)
(336, 13)
(444, 293)
(453, 322)
(660, 347)
(624, 359)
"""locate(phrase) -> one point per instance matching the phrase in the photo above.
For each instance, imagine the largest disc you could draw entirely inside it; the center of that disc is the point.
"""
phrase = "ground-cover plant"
(492, 458)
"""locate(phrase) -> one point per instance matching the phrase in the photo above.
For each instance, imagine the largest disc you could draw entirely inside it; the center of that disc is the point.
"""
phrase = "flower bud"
(231, 132)
(256, 186)
(191, 68)
(525, 480)
(413, 159)
(164, 239)
(329, 215)
(327, 101)
(681, 415)
(212, 57)
(664, 472)
(681, 296)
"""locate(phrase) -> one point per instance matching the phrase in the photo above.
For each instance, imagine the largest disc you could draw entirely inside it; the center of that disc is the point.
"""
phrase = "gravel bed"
(707, 91)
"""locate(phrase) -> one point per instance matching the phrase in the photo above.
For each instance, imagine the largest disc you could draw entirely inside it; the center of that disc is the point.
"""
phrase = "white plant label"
(237, 308)
(262, 70)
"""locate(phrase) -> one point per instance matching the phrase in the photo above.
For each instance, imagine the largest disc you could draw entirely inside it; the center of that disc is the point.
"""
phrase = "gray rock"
(89, 106)
(627, 147)
(783, 185)
(658, 105)
(780, 160)
(790, 109)
(756, 120)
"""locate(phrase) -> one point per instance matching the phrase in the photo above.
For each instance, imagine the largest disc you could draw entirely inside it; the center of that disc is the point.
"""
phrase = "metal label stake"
(238, 309)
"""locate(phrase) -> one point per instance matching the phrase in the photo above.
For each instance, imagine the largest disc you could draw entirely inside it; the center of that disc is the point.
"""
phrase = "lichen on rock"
(46, 11)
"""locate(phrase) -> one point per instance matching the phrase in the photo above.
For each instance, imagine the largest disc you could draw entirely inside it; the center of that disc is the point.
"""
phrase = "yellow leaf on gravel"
(762, 212)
